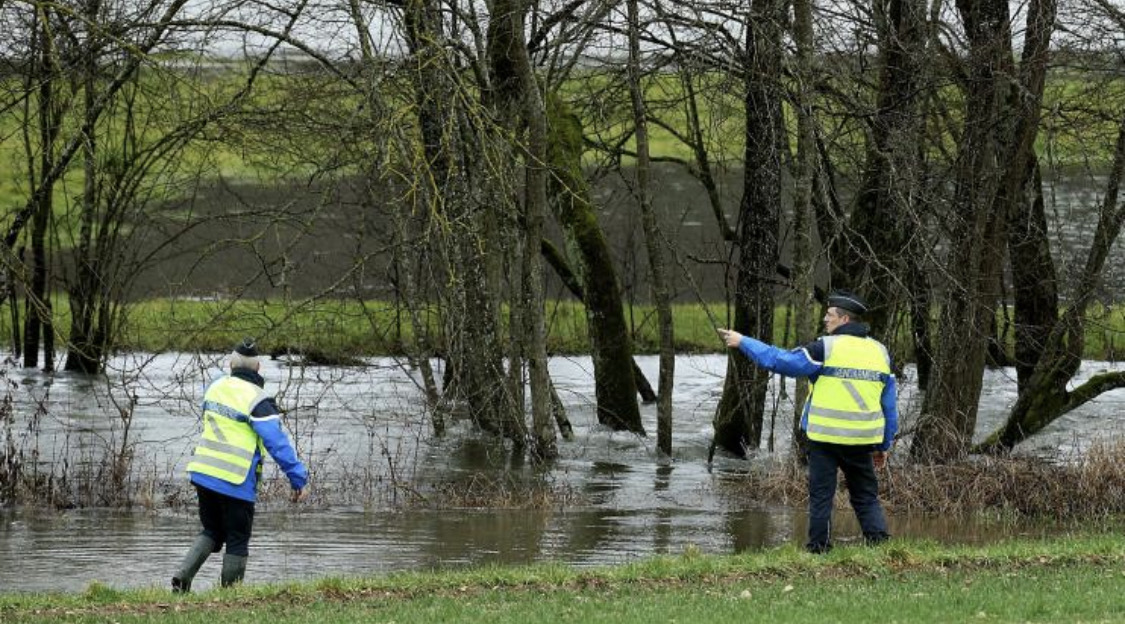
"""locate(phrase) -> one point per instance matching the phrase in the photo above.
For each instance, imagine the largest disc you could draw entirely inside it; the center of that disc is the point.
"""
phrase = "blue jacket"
(266, 421)
(807, 361)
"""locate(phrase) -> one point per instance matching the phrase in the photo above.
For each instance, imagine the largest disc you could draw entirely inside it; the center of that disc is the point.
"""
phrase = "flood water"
(386, 490)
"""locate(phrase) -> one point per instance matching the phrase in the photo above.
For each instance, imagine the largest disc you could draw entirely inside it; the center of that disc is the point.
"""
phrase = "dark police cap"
(847, 300)
(247, 348)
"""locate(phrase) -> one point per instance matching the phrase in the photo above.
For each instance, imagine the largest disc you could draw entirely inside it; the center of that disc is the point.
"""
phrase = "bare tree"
(596, 283)
(738, 420)
(804, 184)
(653, 237)
(992, 166)
(518, 99)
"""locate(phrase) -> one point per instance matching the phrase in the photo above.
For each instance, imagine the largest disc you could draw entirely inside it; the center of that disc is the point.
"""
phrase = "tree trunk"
(1045, 396)
(476, 374)
(805, 181)
(949, 409)
(738, 421)
(37, 298)
(920, 303)
(880, 229)
(1000, 134)
(562, 269)
(1034, 280)
(653, 241)
(14, 313)
(36, 306)
(518, 98)
(596, 282)
(84, 354)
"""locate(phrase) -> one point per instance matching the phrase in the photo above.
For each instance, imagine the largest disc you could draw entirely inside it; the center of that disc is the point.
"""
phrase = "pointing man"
(850, 417)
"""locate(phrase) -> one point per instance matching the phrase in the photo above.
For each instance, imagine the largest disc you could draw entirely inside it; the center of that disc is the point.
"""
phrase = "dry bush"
(1092, 486)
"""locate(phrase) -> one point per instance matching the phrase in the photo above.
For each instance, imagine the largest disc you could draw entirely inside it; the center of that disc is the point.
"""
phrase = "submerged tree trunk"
(1045, 396)
(476, 374)
(84, 351)
(596, 282)
(1010, 117)
(738, 420)
(38, 323)
(804, 183)
(920, 303)
(653, 240)
(14, 313)
(562, 269)
(1034, 280)
(949, 409)
(518, 100)
(37, 306)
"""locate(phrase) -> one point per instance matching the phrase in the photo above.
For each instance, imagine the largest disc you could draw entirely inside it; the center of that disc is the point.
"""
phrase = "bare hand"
(879, 458)
(300, 495)
(730, 337)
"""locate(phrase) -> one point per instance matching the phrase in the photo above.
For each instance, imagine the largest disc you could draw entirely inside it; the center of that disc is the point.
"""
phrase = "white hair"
(237, 360)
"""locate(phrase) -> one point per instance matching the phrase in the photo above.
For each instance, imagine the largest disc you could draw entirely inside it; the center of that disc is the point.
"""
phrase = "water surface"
(365, 434)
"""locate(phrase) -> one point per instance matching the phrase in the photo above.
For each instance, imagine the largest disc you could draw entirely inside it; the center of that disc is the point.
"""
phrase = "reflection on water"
(44, 551)
(363, 429)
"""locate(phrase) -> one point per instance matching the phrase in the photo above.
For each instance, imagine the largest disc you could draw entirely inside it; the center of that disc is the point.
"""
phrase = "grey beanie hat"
(247, 348)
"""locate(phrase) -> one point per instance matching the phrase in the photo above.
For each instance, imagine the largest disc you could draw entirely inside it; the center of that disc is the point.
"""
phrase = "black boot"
(196, 555)
(234, 568)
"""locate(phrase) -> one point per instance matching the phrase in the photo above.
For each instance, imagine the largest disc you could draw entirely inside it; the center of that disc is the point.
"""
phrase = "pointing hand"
(730, 337)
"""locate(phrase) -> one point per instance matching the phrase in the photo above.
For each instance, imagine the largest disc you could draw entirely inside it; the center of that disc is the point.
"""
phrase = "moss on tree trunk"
(612, 348)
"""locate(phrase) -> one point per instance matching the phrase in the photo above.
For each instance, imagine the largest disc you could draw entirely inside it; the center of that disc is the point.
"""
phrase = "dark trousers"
(863, 490)
(226, 520)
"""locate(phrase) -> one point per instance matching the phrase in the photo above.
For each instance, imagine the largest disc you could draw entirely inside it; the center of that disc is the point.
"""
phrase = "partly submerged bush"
(1093, 486)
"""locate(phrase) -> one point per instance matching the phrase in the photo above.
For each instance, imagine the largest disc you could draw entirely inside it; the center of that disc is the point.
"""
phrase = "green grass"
(1060, 579)
(352, 328)
(256, 147)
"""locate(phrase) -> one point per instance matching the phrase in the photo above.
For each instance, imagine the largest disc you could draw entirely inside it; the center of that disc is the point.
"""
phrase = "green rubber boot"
(234, 568)
(196, 555)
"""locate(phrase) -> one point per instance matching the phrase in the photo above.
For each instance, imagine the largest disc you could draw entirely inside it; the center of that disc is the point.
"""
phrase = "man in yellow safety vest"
(239, 420)
(851, 415)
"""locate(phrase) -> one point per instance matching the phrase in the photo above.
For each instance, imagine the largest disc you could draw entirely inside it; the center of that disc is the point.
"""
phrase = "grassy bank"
(367, 328)
(1061, 579)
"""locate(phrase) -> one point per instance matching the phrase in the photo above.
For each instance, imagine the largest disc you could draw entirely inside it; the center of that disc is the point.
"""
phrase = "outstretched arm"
(794, 363)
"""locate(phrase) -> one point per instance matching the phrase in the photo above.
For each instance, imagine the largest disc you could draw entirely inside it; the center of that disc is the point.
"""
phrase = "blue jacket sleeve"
(266, 421)
(794, 363)
(889, 403)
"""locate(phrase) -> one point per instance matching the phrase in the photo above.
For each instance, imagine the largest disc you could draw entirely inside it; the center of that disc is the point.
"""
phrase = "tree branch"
(1094, 387)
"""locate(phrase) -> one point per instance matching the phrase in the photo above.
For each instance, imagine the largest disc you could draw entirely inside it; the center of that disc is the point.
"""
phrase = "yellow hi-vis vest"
(844, 403)
(227, 448)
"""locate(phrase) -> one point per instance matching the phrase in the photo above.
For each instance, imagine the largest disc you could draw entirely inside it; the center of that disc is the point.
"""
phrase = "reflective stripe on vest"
(844, 403)
(226, 450)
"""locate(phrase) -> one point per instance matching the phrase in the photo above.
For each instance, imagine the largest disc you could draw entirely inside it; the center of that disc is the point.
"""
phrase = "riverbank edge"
(900, 560)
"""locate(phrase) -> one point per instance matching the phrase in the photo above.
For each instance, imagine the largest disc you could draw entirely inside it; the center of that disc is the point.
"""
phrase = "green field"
(1077, 579)
(292, 125)
(370, 328)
